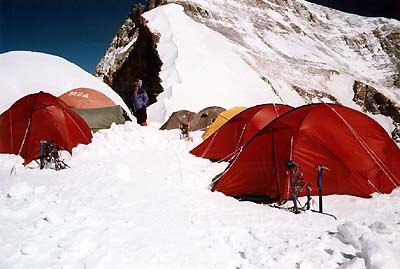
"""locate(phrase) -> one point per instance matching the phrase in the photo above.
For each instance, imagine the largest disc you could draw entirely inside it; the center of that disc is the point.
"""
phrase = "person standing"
(139, 102)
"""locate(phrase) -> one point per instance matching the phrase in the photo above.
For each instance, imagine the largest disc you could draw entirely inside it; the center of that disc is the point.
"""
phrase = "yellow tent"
(221, 119)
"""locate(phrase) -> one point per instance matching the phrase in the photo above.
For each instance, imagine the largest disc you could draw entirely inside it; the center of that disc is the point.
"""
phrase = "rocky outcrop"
(375, 102)
(397, 81)
(390, 43)
(120, 47)
(314, 96)
(132, 54)
(142, 62)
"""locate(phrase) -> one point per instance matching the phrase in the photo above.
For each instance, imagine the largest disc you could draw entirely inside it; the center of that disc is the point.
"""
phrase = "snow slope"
(25, 72)
(199, 64)
(135, 198)
(297, 43)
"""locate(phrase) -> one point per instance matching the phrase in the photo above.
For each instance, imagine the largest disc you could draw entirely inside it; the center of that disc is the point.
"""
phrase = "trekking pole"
(320, 169)
(291, 165)
(42, 153)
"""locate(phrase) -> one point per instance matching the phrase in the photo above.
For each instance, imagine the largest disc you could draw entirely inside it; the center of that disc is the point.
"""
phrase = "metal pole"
(42, 152)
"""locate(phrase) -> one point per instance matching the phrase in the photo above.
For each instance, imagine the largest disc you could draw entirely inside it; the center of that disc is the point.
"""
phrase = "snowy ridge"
(194, 68)
(25, 72)
(105, 212)
(169, 73)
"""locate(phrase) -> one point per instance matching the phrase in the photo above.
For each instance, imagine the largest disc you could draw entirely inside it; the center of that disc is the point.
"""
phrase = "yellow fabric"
(221, 119)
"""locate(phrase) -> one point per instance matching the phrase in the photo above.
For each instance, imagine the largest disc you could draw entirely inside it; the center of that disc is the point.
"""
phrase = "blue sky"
(77, 30)
(371, 8)
(81, 30)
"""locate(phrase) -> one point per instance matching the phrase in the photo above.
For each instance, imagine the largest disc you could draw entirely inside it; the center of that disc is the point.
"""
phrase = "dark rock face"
(397, 81)
(143, 62)
(192, 9)
(376, 103)
(390, 42)
(120, 67)
(312, 95)
(154, 3)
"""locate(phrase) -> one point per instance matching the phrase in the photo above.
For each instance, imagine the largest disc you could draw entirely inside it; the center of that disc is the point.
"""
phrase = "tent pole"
(291, 149)
(276, 165)
(27, 131)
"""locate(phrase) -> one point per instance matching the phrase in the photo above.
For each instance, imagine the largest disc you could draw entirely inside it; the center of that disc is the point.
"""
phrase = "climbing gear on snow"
(50, 157)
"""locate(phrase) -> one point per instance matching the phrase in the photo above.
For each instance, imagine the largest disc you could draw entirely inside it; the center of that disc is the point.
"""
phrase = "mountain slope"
(302, 52)
(26, 72)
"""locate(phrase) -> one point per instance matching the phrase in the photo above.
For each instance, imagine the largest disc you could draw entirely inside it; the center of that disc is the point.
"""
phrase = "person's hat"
(137, 83)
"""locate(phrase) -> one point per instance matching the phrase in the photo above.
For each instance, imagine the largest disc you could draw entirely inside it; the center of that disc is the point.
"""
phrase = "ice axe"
(291, 165)
(320, 169)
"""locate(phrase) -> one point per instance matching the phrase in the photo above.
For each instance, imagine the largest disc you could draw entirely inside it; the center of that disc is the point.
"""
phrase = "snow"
(136, 197)
(200, 64)
(26, 72)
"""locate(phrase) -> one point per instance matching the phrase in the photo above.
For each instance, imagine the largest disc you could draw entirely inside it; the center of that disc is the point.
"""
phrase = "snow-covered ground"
(135, 198)
(26, 72)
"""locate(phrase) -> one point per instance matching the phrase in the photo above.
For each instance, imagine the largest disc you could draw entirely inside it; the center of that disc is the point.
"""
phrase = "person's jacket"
(140, 100)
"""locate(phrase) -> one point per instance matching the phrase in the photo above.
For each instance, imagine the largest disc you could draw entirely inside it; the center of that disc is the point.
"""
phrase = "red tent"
(40, 116)
(224, 143)
(361, 156)
(86, 98)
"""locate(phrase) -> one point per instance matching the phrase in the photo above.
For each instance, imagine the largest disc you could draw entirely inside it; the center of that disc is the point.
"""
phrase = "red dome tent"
(86, 98)
(40, 116)
(224, 143)
(362, 158)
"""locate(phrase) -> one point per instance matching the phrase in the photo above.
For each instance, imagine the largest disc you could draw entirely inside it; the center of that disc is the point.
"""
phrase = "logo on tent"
(79, 94)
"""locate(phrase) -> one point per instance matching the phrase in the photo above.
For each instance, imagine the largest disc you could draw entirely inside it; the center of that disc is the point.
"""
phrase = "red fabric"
(51, 119)
(238, 131)
(361, 156)
(86, 98)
